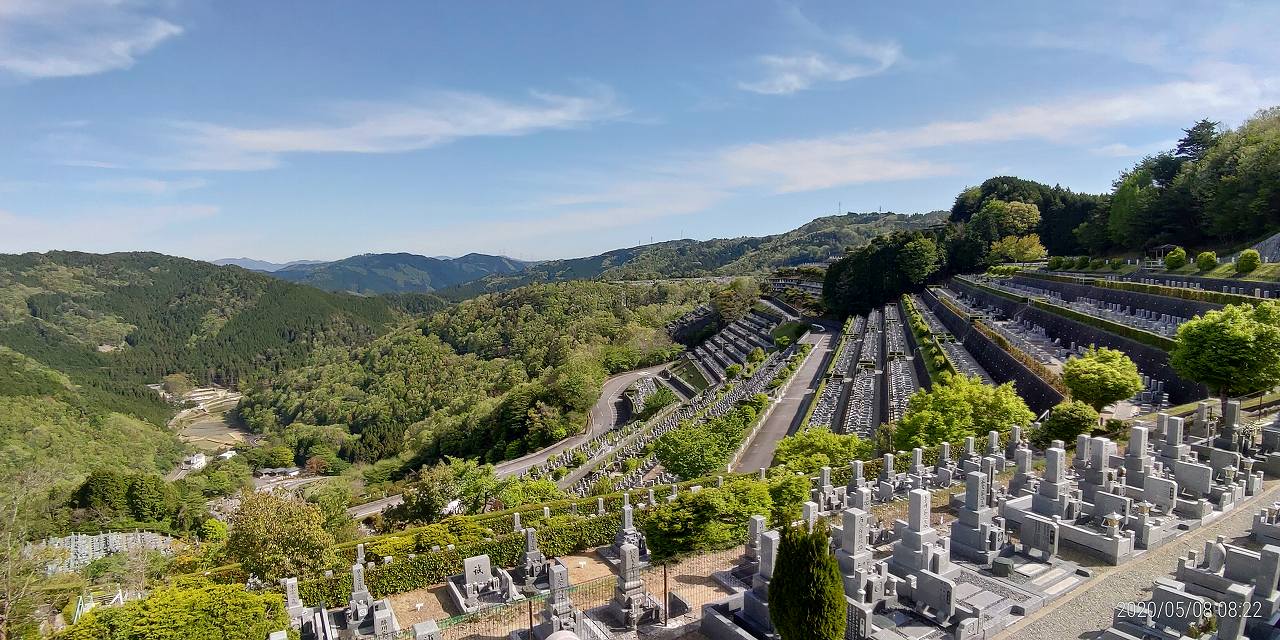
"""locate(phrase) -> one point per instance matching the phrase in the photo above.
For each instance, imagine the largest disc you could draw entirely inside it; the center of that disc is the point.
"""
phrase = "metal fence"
(695, 582)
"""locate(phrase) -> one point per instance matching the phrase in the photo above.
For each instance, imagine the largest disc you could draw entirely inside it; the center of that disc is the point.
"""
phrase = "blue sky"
(317, 130)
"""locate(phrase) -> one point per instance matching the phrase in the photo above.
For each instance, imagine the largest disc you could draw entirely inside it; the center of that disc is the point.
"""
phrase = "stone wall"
(998, 363)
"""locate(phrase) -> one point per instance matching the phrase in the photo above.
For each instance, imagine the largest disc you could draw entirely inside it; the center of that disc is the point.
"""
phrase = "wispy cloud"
(789, 74)
(107, 229)
(825, 57)
(52, 39)
(387, 127)
(875, 156)
(146, 186)
(1123, 150)
(693, 183)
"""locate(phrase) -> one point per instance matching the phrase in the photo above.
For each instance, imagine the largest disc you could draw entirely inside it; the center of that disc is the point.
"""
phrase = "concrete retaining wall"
(1159, 304)
(1150, 360)
(998, 363)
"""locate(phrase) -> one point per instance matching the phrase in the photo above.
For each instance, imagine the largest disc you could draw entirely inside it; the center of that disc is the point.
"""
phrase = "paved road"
(790, 408)
(367, 509)
(603, 417)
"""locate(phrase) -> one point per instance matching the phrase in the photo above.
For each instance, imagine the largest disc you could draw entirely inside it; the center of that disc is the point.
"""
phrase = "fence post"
(530, 601)
(666, 598)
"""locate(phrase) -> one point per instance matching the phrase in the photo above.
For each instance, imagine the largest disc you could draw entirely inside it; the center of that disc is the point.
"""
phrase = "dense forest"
(815, 241)
(492, 377)
(115, 322)
(1214, 189)
(44, 418)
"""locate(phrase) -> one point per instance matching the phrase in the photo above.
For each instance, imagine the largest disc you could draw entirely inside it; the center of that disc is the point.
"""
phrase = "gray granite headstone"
(477, 569)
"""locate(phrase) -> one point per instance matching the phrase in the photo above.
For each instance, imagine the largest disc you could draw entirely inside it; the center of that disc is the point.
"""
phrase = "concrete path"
(1086, 611)
(791, 406)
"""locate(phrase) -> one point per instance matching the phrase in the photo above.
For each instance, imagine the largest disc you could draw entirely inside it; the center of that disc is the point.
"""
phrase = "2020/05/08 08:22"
(1194, 609)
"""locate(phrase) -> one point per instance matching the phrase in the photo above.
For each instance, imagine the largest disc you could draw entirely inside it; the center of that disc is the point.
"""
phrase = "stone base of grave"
(457, 592)
(610, 555)
(607, 616)
(541, 582)
(725, 620)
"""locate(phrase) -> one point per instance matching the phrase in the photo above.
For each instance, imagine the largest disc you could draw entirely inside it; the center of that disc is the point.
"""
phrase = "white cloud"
(386, 127)
(108, 229)
(62, 38)
(875, 156)
(824, 58)
(1123, 150)
(789, 74)
(147, 186)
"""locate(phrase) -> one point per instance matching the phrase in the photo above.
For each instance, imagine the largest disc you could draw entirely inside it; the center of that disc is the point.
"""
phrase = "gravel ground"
(1087, 610)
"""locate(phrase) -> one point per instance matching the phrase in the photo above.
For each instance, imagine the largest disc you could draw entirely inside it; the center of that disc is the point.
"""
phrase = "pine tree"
(806, 595)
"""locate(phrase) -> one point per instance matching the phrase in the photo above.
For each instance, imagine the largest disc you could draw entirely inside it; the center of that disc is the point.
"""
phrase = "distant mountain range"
(476, 273)
(263, 265)
(815, 241)
(375, 273)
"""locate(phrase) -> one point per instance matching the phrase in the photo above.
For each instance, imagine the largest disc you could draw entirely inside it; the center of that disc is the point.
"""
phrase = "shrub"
(1097, 263)
(1117, 264)
(1082, 262)
(1248, 261)
(1055, 263)
(1206, 260)
(1065, 422)
(1176, 259)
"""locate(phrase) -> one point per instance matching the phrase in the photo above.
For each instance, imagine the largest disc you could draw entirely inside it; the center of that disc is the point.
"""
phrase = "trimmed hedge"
(931, 350)
(1041, 371)
(1198, 295)
(568, 535)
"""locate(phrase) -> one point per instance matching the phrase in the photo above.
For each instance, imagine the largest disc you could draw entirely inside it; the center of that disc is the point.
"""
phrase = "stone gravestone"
(478, 576)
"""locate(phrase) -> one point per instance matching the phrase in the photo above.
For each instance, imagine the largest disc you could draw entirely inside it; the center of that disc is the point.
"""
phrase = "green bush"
(1097, 263)
(1065, 422)
(1248, 261)
(1117, 264)
(1206, 260)
(1082, 262)
(1176, 259)
(1055, 263)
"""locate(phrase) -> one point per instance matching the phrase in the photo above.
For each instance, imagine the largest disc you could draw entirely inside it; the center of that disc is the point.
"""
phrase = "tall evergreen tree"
(806, 595)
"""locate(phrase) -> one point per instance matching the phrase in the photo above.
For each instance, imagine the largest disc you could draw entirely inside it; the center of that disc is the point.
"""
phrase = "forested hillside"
(492, 377)
(1215, 189)
(815, 241)
(375, 273)
(112, 323)
(44, 420)
(1061, 210)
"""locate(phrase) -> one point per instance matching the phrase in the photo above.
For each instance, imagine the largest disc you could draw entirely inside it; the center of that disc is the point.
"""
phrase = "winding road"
(602, 418)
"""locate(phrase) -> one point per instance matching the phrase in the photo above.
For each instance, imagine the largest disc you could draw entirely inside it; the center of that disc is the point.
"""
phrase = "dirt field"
(593, 584)
(213, 432)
